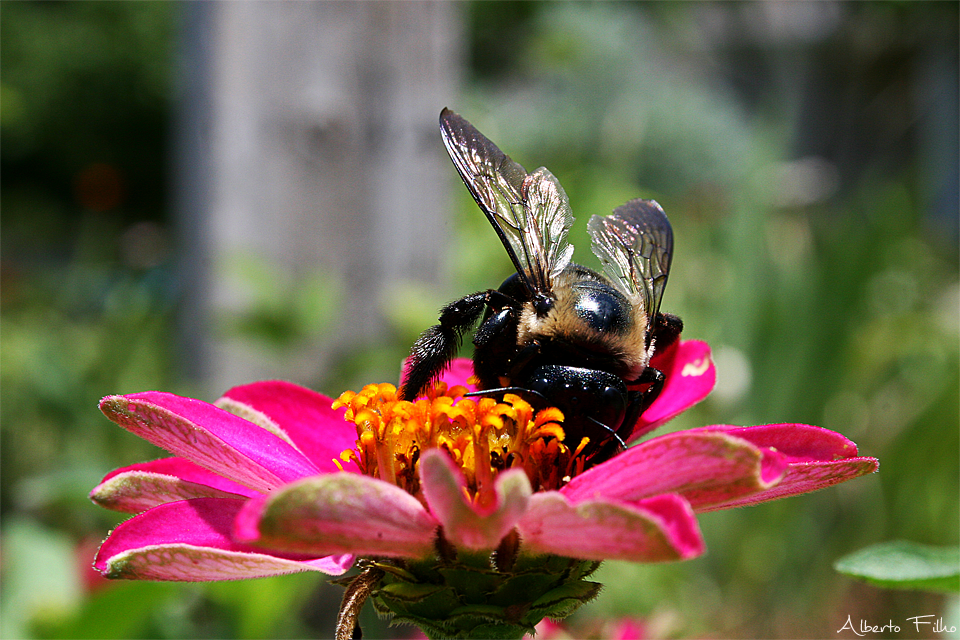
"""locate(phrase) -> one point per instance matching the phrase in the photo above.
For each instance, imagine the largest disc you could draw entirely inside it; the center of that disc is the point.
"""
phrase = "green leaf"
(905, 565)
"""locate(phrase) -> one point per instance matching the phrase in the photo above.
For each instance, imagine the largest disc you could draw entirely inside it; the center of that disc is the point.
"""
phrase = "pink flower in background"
(616, 629)
(91, 579)
(271, 480)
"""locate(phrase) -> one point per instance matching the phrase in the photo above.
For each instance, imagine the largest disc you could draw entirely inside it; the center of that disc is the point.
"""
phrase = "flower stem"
(348, 627)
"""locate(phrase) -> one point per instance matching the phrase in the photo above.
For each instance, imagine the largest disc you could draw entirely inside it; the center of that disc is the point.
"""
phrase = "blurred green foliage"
(799, 165)
(84, 85)
(87, 295)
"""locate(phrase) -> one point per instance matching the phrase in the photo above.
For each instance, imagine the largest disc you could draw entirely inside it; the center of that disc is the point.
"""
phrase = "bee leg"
(495, 341)
(437, 346)
(640, 401)
(493, 326)
(666, 329)
(607, 448)
(656, 379)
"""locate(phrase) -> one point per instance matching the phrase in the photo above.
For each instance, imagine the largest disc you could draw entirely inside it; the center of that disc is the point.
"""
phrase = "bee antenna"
(502, 390)
(612, 432)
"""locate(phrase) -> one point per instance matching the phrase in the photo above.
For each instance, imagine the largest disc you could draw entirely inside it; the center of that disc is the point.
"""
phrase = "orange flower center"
(483, 437)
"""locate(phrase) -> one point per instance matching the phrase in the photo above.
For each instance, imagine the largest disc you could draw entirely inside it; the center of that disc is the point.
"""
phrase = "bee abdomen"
(580, 392)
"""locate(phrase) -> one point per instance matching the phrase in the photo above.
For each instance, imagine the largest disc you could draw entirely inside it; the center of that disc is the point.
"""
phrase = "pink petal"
(690, 376)
(799, 442)
(339, 513)
(458, 372)
(464, 523)
(190, 541)
(653, 530)
(185, 470)
(213, 438)
(704, 467)
(305, 416)
(817, 457)
(142, 486)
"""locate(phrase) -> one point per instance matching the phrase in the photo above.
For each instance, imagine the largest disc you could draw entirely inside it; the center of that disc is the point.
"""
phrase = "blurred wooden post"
(938, 124)
(313, 145)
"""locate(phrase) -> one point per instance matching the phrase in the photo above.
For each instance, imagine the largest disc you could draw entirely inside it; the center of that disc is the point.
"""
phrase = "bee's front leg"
(496, 342)
(438, 345)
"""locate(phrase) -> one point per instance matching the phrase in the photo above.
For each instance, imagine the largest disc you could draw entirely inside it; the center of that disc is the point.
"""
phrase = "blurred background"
(198, 195)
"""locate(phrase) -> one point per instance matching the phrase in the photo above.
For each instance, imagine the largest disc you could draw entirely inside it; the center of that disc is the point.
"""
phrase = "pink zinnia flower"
(444, 492)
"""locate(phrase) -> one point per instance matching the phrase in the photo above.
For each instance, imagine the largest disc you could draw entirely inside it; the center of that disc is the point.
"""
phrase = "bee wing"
(635, 244)
(530, 213)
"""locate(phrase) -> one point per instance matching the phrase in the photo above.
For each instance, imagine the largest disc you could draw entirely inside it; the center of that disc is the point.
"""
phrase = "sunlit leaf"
(905, 565)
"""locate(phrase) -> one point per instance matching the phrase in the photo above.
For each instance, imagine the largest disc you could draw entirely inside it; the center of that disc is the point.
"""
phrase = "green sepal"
(465, 600)
(408, 592)
(471, 629)
(564, 600)
(417, 599)
(472, 584)
(520, 588)
(476, 621)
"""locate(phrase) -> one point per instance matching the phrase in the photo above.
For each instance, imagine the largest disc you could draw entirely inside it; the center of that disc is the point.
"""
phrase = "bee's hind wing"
(635, 246)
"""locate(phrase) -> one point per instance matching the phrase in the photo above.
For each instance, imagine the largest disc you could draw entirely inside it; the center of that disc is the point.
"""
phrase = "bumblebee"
(557, 333)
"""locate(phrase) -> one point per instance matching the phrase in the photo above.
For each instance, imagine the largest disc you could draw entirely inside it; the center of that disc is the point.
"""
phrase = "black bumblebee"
(555, 332)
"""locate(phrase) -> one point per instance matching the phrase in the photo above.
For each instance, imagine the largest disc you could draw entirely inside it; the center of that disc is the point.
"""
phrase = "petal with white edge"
(211, 437)
(658, 529)
(190, 541)
(339, 513)
(703, 466)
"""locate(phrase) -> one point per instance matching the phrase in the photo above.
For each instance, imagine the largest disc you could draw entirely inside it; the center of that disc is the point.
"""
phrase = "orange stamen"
(483, 437)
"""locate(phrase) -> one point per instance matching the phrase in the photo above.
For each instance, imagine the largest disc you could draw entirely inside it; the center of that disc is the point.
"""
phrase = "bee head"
(542, 304)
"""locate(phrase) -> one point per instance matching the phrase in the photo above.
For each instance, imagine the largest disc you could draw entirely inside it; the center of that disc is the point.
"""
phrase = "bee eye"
(603, 309)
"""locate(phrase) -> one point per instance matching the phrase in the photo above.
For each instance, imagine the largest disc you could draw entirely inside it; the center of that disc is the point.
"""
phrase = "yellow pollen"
(483, 436)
